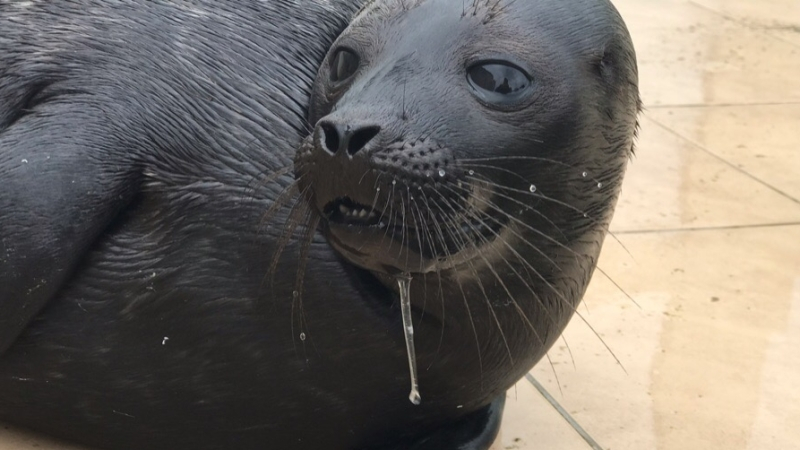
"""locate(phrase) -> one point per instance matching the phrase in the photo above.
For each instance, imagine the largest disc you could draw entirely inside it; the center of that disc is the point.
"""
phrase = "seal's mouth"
(422, 242)
(346, 211)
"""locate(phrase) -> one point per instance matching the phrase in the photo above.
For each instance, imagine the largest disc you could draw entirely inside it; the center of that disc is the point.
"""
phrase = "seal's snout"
(345, 137)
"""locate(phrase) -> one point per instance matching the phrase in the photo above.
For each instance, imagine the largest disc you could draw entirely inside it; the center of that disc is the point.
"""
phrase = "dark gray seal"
(180, 268)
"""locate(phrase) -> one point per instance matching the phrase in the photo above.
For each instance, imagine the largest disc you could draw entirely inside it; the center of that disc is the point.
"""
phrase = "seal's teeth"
(372, 214)
(343, 209)
(363, 213)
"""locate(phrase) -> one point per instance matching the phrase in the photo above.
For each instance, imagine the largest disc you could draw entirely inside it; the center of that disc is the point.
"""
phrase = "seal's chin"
(366, 237)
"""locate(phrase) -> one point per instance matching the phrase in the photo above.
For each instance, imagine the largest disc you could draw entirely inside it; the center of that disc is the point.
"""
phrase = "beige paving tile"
(672, 183)
(12, 438)
(613, 405)
(711, 356)
(781, 19)
(689, 54)
(531, 423)
(762, 140)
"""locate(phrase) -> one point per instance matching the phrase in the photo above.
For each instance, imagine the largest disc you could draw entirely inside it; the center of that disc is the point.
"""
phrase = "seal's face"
(448, 136)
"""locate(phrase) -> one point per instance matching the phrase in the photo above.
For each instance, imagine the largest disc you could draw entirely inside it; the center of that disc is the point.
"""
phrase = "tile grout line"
(723, 160)
(742, 23)
(570, 420)
(716, 228)
(719, 105)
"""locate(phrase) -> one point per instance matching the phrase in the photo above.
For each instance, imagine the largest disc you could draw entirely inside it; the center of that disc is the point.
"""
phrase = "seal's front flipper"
(477, 431)
(62, 181)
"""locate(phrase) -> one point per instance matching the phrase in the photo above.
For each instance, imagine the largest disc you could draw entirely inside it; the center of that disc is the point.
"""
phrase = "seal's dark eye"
(343, 65)
(498, 82)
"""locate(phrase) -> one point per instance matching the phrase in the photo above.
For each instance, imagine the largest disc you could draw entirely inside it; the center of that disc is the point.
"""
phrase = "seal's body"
(157, 166)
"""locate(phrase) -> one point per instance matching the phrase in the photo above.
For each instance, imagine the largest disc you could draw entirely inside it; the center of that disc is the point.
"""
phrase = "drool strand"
(404, 282)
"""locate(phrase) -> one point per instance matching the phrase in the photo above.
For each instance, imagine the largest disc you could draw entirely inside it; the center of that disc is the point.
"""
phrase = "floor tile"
(530, 422)
(12, 438)
(671, 183)
(710, 353)
(763, 140)
(689, 54)
(780, 20)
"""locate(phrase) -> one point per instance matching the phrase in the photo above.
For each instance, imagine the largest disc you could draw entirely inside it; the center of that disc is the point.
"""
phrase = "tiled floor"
(707, 245)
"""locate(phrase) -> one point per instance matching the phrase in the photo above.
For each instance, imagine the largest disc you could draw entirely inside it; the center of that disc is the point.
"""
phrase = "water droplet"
(302, 336)
(378, 189)
(472, 172)
(599, 185)
(584, 174)
(394, 182)
(532, 188)
(585, 215)
(414, 396)
(25, 161)
(295, 294)
(164, 341)
(442, 172)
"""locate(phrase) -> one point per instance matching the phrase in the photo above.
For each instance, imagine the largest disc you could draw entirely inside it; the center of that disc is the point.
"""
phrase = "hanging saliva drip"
(404, 282)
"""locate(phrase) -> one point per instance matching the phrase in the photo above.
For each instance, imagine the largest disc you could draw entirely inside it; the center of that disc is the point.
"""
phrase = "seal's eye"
(498, 82)
(343, 65)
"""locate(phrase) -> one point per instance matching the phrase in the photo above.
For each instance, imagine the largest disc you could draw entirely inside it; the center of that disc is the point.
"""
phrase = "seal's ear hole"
(604, 65)
(343, 65)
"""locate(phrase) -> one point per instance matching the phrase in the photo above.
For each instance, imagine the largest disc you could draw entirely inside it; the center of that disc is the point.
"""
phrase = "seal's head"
(451, 134)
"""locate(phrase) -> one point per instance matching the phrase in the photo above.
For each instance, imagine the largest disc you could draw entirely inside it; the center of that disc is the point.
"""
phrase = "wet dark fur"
(162, 281)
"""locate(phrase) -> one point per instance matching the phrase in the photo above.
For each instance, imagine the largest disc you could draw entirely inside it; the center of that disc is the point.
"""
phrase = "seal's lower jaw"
(364, 236)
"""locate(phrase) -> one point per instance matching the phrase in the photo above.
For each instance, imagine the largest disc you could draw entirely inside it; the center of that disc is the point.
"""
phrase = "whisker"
(605, 226)
(292, 222)
(280, 201)
(542, 253)
(440, 274)
(530, 289)
(555, 374)
(311, 221)
(565, 302)
(511, 217)
(618, 287)
(536, 194)
(464, 297)
(513, 158)
(483, 290)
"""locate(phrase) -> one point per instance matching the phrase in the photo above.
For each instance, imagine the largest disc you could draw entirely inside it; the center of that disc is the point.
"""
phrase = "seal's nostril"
(331, 138)
(360, 138)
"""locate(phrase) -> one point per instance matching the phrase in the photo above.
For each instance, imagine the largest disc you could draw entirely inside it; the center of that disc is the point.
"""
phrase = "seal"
(199, 239)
